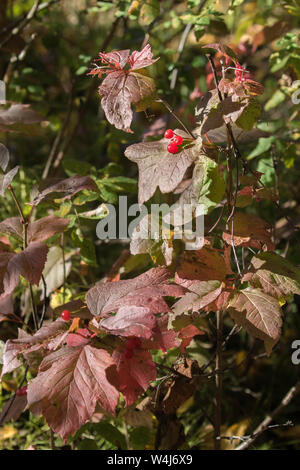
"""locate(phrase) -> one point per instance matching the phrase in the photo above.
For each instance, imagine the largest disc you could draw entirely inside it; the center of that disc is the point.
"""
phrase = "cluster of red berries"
(65, 315)
(131, 345)
(241, 74)
(175, 142)
(22, 391)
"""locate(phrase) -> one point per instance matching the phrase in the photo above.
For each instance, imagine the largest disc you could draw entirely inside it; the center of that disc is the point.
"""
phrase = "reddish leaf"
(187, 334)
(130, 321)
(159, 168)
(122, 87)
(258, 313)
(204, 265)
(45, 228)
(132, 376)
(80, 338)
(201, 294)
(12, 226)
(17, 117)
(274, 274)
(68, 187)
(222, 49)
(143, 58)
(15, 406)
(29, 263)
(162, 337)
(145, 290)
(249, 230)
(70, 383)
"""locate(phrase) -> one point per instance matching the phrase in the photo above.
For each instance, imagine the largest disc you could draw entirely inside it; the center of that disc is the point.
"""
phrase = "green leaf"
(264, 144)
(275, 100)
(87, 444)
(207, 187)
(149, 11)
(249, 116)
(139, 437)
(111, 434)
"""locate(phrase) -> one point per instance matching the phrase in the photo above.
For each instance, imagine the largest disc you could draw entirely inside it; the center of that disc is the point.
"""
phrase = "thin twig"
(219, 379)
(264, 425)
(18, 29)
(171, 111)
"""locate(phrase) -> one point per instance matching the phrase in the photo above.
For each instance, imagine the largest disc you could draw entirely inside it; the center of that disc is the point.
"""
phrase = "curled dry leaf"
(16, 117)
(6, 180)
(4, 157)
(67, 187)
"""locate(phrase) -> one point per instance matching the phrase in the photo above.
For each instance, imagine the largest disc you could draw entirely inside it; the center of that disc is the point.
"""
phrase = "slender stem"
(219, 380)
(265, 424)
(24, 223)
(171, 111)
(52, 443)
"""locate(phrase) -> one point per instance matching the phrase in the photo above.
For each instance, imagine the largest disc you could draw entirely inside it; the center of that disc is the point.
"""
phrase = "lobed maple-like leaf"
(274, 274)
(29, 263)
(162, 337)
(141, 59)
(132, 376)
(70, 382)
(68, 187)
(201, 294)
(159, 168)
(130, 321)
(145, 290)
(249, 230)
(206, 264)
(123, 87)
(50, 336)
(37, 231)
(187, 334)
(259, 313)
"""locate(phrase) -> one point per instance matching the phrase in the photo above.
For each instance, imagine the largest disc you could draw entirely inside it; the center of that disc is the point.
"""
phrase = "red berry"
(177, 139)
(65, 315)
(169, 134)
(22, 391)
(172, 148)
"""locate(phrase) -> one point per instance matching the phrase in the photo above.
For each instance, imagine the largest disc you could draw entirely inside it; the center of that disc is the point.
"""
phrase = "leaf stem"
(171, 111)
